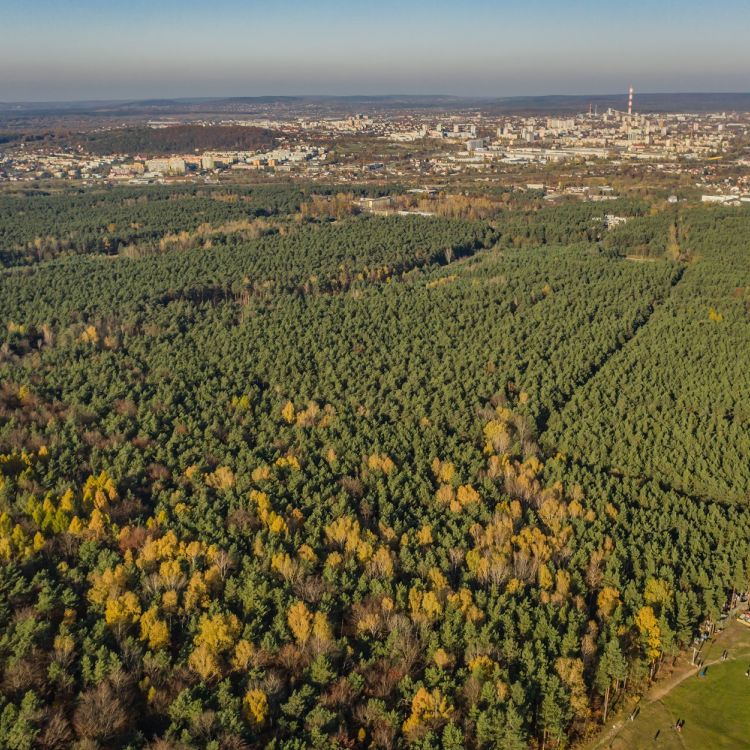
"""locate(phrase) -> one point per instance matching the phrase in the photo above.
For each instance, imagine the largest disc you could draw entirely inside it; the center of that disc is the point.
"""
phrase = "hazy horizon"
(376, 95)
(80, 50)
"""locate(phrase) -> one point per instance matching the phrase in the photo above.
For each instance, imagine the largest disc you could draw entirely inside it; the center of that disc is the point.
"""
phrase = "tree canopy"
(386, 482)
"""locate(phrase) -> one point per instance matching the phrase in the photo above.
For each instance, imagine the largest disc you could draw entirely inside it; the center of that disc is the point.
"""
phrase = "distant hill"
(687, 102)
(681, 102)
(668, 102)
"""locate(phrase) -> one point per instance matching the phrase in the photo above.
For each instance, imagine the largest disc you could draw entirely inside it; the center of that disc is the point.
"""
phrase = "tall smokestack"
(630, 101)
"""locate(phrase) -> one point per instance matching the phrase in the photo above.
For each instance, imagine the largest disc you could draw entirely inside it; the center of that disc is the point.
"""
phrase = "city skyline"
(78, 50)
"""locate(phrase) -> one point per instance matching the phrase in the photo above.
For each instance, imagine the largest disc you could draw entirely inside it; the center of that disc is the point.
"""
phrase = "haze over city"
(81, 49)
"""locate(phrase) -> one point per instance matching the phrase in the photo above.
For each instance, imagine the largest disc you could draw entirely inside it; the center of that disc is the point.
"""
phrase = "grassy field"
(715, 708)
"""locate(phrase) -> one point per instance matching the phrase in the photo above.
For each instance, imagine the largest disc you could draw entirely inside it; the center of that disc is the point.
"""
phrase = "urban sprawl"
(438, 148)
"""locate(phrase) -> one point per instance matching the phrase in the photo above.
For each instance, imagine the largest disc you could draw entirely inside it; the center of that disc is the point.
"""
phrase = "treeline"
(135, 220)
(43, 227)
(175, 139)
(142, 221)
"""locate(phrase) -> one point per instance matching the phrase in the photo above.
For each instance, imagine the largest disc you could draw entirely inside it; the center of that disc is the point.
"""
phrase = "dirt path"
(661, 688)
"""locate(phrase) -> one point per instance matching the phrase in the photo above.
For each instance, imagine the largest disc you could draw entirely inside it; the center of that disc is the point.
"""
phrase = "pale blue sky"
(75, 49)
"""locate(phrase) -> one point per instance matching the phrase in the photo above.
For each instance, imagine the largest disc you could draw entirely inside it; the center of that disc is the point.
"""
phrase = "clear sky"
(115, 49)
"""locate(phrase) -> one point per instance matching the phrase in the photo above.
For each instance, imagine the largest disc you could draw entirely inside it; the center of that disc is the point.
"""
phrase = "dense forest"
(43, 227)
(175, 139)
(148, 141)
(679, 412)
(428, 482)
(37, 226)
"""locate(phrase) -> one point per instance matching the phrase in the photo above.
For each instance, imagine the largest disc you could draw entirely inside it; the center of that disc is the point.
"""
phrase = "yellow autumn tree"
(446, 495)
(498, 436)
(562, 586)
(442, 658)
(428, 709)
(169, 601)
(122, 611)
(481, 667)
(196, 595)
(571, 673)
(424, 536)
(307, 554)
(288, 412)
(648, 626)
(243, 653)
(261, 473)
(98, 523)
(545, 578)
(222, 478)
(218, 632)
(466, 495)
(380, 462)
(321, 628)
(344, 533)
(444, 471)
(276, 524)
(154, 630)
(99, 492)
(288, 461)
(381, 564)
(89, 335)
(256, 707)
(437, 579)
(108, 584)
(300, 622)
(283, 564)
(216, 635)
(608, 600)
(205, 663)
(424, 605)
(308, 416)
